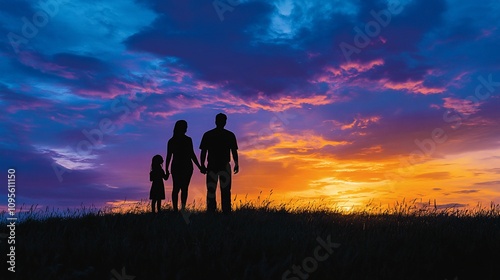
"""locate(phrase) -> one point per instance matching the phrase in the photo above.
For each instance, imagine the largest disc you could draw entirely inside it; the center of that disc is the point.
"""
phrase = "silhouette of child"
(156, 176)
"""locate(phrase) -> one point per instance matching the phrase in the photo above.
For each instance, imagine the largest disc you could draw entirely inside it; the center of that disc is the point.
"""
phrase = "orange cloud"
(333, 74)
(361, 67)
(282, 145)
(276, 104)
(361, 122)
(413, 87)
(463, 106)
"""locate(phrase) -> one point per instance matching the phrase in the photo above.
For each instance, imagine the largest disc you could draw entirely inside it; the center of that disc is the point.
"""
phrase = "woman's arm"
(165, 175)
(193, 156)
(169, 157)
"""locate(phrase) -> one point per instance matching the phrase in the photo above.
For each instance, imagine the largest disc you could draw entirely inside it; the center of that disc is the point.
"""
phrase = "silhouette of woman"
(180, 151)
(156, 176)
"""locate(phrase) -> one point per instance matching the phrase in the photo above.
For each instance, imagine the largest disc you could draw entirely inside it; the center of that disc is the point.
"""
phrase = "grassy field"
(260, 242)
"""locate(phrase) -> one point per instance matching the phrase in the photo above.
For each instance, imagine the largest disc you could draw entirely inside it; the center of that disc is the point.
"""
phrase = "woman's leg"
(153, 202)
(175, 191)
(184, 197)
(184, 188)
(158, 205)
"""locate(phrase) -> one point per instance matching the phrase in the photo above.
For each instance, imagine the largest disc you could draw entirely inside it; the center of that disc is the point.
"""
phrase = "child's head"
(156, 162)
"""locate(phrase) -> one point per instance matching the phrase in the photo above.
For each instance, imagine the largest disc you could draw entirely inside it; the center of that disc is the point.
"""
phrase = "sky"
(340, 103)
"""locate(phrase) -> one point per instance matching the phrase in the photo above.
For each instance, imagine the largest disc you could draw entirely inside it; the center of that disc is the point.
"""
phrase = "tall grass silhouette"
(259, 240)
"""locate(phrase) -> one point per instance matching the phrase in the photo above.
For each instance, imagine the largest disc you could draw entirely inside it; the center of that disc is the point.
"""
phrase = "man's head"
(220, 120)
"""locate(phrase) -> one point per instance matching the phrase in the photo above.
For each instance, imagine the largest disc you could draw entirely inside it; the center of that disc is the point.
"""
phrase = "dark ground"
(258, 244)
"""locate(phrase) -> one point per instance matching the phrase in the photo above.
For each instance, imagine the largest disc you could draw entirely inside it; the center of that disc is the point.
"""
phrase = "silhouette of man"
(220, 143)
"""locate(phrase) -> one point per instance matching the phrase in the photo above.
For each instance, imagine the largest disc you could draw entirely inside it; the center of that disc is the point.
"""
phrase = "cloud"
(462, 106)
(488, 183)
(361, 122)
(466, 191)
(451, 205)
(230, 62)
(494, 170)
(413, 87)
(434, 176)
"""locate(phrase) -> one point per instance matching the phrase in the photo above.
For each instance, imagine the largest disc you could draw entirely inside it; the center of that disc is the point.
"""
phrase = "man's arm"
(234, 152)
(203, 156)
(203, 153)
(235, 158)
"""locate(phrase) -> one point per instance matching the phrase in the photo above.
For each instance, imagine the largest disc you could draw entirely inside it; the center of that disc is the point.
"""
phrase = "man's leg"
(225, 188)
(211, 187)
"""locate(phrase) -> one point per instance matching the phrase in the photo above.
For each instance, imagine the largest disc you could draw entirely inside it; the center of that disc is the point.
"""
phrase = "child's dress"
(157, 191)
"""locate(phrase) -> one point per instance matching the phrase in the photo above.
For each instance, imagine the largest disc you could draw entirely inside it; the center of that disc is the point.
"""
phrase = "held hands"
(203, 169)
(167, 174)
